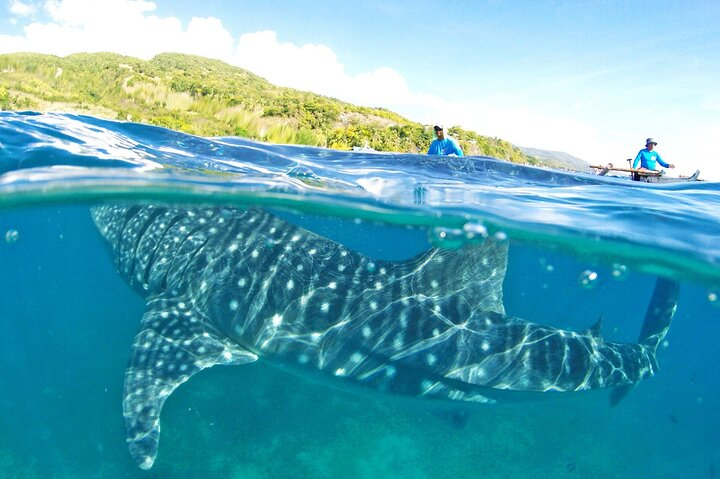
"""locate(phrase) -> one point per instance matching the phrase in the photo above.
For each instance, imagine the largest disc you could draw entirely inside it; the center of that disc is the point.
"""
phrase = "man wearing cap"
(443, 145)
(648, 158)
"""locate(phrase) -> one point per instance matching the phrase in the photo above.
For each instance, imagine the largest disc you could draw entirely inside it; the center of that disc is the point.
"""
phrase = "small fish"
(673, 419)
(457, 418)
(571, 467)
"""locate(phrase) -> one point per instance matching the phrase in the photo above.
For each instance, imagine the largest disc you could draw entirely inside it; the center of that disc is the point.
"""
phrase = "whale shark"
(228, 286)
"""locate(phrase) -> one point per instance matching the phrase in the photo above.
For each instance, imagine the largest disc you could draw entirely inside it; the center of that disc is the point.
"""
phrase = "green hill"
(211, 98)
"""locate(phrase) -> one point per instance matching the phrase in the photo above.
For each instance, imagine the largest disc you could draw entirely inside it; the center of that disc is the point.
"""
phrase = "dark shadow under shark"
(228, 286)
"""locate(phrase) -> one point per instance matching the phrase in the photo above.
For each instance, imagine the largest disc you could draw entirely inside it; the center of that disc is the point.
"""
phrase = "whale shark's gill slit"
(195, 254)
(177, 256)
(130, 213)
(160, 242)
(104, 217)
(136, 250)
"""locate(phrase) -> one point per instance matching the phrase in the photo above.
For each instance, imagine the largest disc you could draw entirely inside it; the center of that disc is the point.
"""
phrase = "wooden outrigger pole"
(641, 174)
(604, 170)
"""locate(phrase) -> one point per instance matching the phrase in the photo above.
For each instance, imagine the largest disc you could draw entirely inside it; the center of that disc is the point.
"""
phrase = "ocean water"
(580, 248)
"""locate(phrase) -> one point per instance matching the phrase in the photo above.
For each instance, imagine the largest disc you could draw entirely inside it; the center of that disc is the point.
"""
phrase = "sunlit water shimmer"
(580, 248)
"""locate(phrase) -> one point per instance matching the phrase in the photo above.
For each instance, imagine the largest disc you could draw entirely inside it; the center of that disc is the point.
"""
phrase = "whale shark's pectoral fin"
(174, 343)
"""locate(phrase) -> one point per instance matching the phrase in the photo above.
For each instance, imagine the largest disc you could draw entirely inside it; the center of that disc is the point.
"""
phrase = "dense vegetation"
(211, 98)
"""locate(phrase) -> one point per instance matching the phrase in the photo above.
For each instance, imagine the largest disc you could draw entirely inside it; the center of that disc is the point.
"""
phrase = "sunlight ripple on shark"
(228, 286)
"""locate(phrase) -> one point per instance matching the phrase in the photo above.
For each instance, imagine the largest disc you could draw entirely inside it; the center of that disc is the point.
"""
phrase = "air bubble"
(500, 236)
(448, 238)
(475, 232)
(619, 271)
(713, 298)
(588, 279)
(546, 266)
(11, 236)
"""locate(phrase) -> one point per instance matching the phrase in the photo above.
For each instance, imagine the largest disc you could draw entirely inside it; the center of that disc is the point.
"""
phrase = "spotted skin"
(227, 286)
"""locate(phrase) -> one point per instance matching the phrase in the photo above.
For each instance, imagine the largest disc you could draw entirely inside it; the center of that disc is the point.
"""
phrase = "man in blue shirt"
(648, 158)
(444, 145)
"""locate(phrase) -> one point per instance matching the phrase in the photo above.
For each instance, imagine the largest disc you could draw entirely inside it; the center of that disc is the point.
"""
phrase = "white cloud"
(123, 26)
(310, 67)
(22, 9)
(316, 68)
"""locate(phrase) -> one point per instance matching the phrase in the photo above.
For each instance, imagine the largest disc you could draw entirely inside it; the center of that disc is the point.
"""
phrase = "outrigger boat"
(648, 176)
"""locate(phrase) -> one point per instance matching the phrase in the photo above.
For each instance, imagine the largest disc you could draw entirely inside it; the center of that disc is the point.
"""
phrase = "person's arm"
(637, 160)
(662, 162)
(458, 150)
(433, 148)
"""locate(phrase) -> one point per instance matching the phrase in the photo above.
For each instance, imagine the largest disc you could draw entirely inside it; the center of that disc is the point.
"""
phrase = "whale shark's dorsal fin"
(596, 329)
(172, 345)
(474, 273)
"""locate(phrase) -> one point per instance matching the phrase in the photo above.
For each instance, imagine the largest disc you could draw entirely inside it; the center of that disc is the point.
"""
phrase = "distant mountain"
(210, 98)
(557, 159)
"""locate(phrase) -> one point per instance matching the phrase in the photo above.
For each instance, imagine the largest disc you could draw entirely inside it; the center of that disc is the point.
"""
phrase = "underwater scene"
(177, 306)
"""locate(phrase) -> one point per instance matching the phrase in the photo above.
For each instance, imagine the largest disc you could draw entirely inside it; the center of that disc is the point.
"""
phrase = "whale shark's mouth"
(229, 286)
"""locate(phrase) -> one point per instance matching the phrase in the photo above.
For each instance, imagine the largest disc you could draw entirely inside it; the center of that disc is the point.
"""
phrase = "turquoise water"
(581, 247)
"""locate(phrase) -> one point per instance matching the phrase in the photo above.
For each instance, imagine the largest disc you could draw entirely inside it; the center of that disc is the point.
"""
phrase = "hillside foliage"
(211, 98)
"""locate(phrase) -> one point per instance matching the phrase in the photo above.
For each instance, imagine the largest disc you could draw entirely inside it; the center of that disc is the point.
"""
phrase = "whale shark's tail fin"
(658, 317)
(659, 314)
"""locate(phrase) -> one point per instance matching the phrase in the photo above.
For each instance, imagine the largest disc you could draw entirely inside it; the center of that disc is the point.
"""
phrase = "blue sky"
(592, 78)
